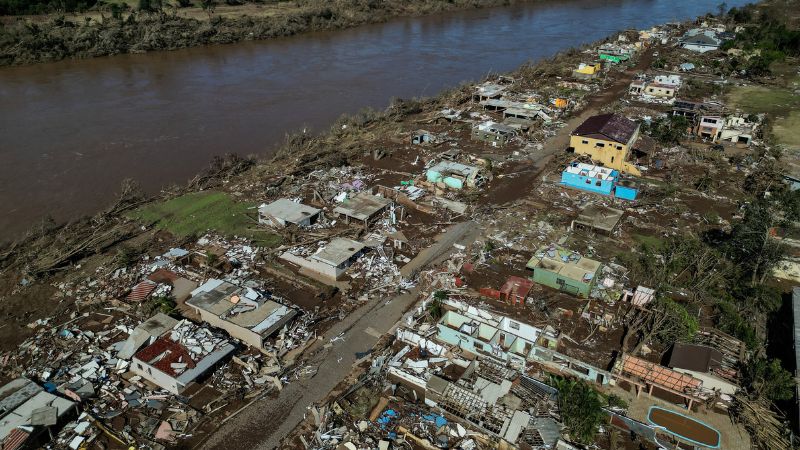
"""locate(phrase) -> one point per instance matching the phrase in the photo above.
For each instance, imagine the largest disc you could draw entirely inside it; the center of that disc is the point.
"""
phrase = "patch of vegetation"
(653, 242)
(768, 378)
(581, 409)
(768, 41)
(126, 255)
(731, 321)
(16, 7)
(763, 99)
(667, 130)
(196, 213)
(163, 304)
(787, 130)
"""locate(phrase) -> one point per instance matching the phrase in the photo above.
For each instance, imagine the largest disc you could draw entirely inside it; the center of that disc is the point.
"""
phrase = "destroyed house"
(330, 261)
(494, 133)
(693, 110)
(737, 130)
(487, 91)
(598, 217)
(647, 375)
(422, 137)
(475, 403)
(283, 212)
(587, 71)
(613, 53)
(454, 175)
(27, 412)
(145, 333)
(704, 363)
(527, 113)
(482, 333)
(565, 270)
(608, 139)
(504, 339)
(244, 313)
(363, 207)
(701, 40)
(180, 356)
(599, 180)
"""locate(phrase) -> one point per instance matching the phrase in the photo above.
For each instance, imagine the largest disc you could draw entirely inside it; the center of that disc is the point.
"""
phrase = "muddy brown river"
(71, 131)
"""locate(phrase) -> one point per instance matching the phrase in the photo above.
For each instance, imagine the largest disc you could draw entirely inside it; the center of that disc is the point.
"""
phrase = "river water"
(71, 131)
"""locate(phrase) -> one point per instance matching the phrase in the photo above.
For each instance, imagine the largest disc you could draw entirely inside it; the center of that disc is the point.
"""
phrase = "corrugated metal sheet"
(141, 291)
(15, 439)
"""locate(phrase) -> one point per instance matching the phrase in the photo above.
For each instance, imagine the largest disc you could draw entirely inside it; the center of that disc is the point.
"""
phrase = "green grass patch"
(651, 241)
(762, 99)
(787, 130)
(199, 212)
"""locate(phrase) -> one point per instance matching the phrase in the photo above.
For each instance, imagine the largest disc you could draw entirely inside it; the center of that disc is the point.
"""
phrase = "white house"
(243, 312)
(701, 40)
(180, 356)
(283, 212)
(330, 261)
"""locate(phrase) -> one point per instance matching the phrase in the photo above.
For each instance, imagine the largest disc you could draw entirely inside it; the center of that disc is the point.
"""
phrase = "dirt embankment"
(27, 40)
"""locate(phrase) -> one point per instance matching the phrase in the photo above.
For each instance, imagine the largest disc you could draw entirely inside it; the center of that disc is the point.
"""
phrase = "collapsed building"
(245, 313)
(564, 270)
(181, 356)
(283, 212)
(330, 261)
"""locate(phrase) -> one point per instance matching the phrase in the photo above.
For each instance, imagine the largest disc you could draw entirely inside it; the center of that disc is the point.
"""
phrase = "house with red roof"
(180, 356)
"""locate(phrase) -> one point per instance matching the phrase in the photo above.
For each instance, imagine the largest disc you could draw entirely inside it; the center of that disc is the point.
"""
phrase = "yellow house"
(608, 140)
(587, 70)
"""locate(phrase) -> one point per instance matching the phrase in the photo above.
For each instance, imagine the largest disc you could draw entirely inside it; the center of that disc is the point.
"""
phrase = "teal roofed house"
(455, 175)
(556, 267)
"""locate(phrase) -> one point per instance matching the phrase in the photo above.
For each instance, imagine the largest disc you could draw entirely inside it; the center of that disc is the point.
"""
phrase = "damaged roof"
(289, 211)
(338, 251)
(600, 217)
(363, 206)
(659, 375)
(165, 352)
(697, 358)
(242, 307)
(608, 126)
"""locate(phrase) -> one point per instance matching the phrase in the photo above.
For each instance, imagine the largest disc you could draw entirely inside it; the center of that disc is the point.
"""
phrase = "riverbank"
(37, 39)
(161, 117)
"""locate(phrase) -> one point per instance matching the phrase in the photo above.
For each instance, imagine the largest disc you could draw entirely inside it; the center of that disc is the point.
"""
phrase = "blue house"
(598, 179)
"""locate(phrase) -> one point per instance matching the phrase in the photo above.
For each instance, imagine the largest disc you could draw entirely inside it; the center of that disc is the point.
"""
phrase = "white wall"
(314, 266)
(156, 376)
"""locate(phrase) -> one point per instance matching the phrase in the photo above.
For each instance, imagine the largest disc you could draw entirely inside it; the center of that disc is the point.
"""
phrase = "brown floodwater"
(71, 131)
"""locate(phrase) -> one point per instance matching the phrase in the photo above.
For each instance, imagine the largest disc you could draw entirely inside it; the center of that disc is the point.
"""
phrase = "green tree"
(750, 245)
(581, 409)
(126, 255)
(212, 259)
(767, 378)
(435, 310)
(730, 320)
(163, 304)
(667, 130)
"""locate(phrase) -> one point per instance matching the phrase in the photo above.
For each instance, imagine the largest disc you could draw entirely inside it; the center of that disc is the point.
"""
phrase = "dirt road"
(510, 189)
(264, 423)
